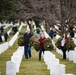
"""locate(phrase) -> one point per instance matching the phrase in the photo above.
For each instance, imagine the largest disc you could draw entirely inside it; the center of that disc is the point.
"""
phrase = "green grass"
(6, 56)
(33, 66)
(70, 66)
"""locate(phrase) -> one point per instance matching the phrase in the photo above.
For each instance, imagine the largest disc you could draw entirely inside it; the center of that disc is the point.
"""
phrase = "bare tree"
(49, 11)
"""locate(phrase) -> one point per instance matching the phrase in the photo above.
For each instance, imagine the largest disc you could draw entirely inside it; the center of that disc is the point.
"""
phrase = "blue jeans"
(27, 51)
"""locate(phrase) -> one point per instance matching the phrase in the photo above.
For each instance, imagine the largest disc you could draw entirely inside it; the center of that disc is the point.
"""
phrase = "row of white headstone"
(53, 64)
(5, 46)
(12, 66)
(6, 26)
(14, 38)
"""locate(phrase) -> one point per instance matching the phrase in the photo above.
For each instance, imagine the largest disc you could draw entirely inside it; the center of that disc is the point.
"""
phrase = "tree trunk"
(47, 27)
(62, 16)
(29, 25)
(19, 22)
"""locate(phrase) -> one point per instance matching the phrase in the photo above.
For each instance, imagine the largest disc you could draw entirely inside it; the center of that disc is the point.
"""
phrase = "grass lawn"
(33, 66)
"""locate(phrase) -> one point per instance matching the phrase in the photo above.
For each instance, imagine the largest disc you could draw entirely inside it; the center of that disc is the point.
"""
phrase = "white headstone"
(55, 61)
(3, 47)
(75, 48)
(57, 36)
(10, 68)
(67, 54)
(56, 27)
(67, 74)
(3, 39)
(74, 57)
(75, 35)
(71, 53)
(17, 61)
(57, 69)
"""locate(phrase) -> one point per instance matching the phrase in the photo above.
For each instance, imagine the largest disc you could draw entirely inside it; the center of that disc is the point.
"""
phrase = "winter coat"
(27, 38)
(41, 40)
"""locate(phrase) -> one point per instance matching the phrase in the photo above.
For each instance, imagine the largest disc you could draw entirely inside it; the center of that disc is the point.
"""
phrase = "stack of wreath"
(69, 45)
(21, 40)
(48, 46)
(35, 42)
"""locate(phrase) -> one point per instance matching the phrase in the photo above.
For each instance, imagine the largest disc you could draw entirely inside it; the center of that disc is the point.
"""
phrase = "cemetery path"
(33, 66)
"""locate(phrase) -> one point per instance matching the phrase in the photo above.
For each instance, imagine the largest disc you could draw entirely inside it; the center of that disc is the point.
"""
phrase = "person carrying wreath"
(27, 44)
(41, 40)
(64, 41)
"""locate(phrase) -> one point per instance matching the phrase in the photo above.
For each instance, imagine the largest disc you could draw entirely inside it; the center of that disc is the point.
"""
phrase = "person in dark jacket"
(64, 41)
(6, 36)
(41, 40)
(15, 29)
(27, 44)
(51, 33)
(72, 34)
